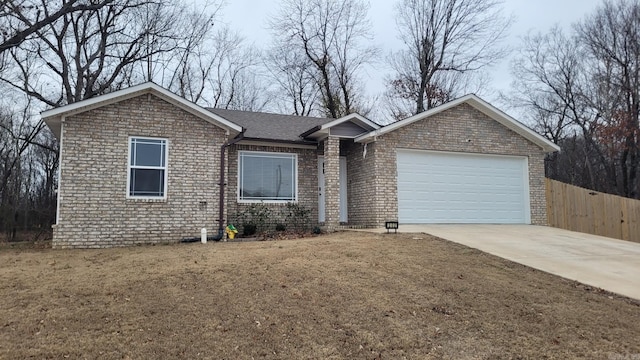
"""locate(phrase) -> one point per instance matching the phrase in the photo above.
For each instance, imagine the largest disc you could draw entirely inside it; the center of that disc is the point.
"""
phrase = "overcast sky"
(249, 17)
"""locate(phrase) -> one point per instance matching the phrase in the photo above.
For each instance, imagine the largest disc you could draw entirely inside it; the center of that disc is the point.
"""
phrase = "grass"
(342, 296)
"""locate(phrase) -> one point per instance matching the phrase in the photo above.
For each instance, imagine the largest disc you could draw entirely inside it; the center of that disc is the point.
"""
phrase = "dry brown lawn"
(341, 296)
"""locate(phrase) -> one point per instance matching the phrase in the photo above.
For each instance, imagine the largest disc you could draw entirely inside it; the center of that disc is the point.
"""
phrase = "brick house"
(143, 165)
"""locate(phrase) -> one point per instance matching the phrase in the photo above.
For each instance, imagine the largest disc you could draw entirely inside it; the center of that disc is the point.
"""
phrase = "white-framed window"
(147, 175)
(268, 177)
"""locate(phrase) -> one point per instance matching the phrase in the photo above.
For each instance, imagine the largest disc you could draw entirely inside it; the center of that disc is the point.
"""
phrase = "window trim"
(294, 156)
(165, 168)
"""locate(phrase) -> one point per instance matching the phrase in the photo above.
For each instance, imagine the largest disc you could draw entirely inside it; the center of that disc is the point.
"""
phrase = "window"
(267, 177)
(147, 167)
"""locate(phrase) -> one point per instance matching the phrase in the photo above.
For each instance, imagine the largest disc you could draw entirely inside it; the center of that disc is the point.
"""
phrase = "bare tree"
(400, 100)
(329, 36)
(18, 133)
(186, 69)
(611, 36)
(209, 64)
(447, 41)
(234, 78)
(87, 53)
(583, 92)
(23, 18)
(551, 82)
(294, 76)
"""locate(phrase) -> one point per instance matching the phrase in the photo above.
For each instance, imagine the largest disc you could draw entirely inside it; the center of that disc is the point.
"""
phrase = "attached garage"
(461, 162)
(457, 187)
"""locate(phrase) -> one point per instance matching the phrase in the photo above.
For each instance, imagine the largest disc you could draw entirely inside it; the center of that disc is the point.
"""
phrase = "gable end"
(480, 105)
(54, 117)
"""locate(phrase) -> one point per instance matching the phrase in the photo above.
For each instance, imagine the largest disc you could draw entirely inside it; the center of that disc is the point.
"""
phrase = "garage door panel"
(438, 187)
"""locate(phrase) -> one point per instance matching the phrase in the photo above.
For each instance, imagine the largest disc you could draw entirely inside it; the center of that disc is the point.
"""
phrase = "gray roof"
(269, 126)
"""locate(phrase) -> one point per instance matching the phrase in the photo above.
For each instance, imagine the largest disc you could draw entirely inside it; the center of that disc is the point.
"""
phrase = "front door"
(343, 190)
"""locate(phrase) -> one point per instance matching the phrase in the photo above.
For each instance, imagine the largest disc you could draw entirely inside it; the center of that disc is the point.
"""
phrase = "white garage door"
(441, 187)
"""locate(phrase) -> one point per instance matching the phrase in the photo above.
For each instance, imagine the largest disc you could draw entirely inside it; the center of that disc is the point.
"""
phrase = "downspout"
(223, 149)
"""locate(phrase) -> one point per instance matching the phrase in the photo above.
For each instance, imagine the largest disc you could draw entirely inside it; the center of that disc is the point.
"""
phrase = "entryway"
(343, 190)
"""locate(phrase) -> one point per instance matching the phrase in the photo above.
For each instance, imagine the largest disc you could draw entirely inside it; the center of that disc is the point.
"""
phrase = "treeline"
(581, 89)
(28, 169)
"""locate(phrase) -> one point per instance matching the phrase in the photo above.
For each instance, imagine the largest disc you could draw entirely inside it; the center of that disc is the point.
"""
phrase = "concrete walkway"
(610, 264)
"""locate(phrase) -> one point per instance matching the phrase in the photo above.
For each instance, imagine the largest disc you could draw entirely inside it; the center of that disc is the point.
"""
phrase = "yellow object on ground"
(231, 231)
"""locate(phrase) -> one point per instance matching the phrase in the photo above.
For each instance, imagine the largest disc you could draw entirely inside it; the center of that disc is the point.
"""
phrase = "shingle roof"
(269, 126)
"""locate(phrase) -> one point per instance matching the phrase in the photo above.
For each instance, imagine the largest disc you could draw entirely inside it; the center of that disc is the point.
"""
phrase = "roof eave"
(355, 117)
(54, 124)
(367, 138)
(54, 116)
(322, 131)
(481, 106)
(278, 142)
(304, 142)
(512, 124)
(310, 132)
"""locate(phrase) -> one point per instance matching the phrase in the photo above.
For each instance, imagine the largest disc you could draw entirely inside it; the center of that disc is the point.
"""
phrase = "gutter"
(310, 131)
(371, 136)
(220, 234)
(278, 141)
(223, 150)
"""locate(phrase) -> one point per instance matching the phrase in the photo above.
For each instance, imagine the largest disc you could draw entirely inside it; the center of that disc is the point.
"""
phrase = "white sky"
(249, 17)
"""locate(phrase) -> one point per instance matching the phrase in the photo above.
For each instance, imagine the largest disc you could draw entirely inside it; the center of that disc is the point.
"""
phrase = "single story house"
(143, 165)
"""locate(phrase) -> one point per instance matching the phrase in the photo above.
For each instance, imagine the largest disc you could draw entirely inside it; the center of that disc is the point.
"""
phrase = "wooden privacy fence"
(574, 208)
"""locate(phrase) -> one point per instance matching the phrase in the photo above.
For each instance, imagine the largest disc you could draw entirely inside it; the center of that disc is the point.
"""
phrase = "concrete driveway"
(610, 264)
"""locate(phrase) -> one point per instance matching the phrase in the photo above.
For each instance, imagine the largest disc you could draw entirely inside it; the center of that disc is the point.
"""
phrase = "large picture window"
(147, 167)
(267, 176)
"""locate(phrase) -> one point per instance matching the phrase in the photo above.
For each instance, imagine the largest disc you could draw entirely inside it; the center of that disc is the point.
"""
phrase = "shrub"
(297, 216)
(248, 229)
(254, 218)
(281, 227)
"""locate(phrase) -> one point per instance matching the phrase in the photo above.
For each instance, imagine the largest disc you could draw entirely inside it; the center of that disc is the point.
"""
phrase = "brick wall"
(307, 184)
(95, 211)
(332, 182)
(449, 130)
(361, 184)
